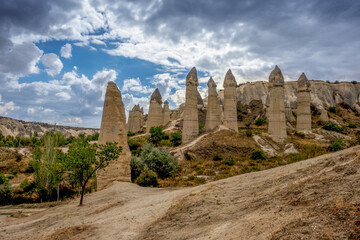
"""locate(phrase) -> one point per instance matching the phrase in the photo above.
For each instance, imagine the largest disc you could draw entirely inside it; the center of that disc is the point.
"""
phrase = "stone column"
(166, 113)
(135, 121)
(213, 112)
(113, 128)
(155, 117)
(277, 120)
(191, 123)
(230, 111)
(303, 122)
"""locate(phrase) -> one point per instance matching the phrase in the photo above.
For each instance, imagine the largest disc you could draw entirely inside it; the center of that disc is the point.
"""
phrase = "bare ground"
(314, 199)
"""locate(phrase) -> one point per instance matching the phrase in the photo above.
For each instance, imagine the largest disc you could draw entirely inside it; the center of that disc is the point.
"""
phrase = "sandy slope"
(313, 199)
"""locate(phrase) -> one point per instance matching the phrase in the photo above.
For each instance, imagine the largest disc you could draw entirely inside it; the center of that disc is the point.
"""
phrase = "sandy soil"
(314, 199)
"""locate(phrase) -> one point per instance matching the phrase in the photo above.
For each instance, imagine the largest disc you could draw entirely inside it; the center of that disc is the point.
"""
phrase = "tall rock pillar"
(213, 112)
(155, 117)
(230, 114)
(191, 121)
(113, 128)
(277, 120)
(166, 113)
(303, 122)
(136, 119)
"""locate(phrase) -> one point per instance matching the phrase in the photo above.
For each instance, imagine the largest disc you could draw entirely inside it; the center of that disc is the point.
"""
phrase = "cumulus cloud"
(52, 63)
(7, 107)
(65, 51)
(134, 85)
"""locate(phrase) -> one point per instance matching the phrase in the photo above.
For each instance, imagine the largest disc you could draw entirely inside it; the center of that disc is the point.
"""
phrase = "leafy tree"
(5, 190)
(83, 160)
(258, 155)
(176, 139)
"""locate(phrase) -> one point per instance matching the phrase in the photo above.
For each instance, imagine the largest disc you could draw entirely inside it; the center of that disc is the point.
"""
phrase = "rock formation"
(166, 113)
(135, 119)
(191, 123)
(113, 128)
(303, 122)
(230, 112)
(213, 112)
(276, 112)
(155, 117)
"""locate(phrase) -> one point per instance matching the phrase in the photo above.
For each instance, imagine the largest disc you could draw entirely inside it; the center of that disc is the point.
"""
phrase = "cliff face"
(323, 95)
(12, 127)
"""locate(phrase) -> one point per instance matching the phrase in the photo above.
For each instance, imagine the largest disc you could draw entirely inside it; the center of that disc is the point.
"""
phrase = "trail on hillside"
(314, 199)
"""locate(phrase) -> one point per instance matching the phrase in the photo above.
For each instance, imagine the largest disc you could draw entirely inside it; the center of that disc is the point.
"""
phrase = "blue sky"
(57, 56)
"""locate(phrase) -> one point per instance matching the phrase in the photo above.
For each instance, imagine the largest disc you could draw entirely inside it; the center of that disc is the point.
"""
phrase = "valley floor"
(317, 198)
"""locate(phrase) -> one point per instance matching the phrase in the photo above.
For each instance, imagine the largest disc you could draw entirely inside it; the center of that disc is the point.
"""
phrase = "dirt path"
(313, 199)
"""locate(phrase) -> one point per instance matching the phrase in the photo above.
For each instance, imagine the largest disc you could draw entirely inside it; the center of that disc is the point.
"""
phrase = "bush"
(259, 121)
(258, 155)
(332, 109)
(130, 134)
(158, 160)
(337, 145)
(3, 179)
(229, 162)
(175, 139)
(201, 127)
(156, 135)
(27, 186)
(357, 134)
(147, 179)
(217, 157)
(5, 194)
(248, 133)
(334, 127)
(352, 125)
(248, 124)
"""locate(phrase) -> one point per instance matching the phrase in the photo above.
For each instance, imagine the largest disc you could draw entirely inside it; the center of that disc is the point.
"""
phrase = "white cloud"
(134, 85)
(7, 107)
(65, 51)
(64, 96)
(52, 63)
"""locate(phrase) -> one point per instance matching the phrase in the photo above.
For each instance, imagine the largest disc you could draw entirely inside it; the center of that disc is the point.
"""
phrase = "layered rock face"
(135, 119)
(303, 122)
(155, 116)
(276, 112)
(191, 122)
(113, 128)
(213, 113)
(230, 112)
(166, 113)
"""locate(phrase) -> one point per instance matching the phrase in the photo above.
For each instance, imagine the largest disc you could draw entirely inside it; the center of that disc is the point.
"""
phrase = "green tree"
(83, 160)
(176, 139)
(156, 135)
(259, 121)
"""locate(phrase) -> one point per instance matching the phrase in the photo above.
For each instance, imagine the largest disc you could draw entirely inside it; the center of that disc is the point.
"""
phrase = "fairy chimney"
(230, 112)
(213, 111)
(155, 117)
(166, 113)
(303, 122)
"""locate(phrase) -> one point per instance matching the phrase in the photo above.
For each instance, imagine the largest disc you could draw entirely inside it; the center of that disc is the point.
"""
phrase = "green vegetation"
(5, 190)
(217, 157)
(335, 128)
(332, 109)
(147, 178)
(130, 134)
(201, 127)
(229, 162)
(156, 135)
(337, 145)
(352, 125)
(176, 138)
(258, 155)
(259, 121)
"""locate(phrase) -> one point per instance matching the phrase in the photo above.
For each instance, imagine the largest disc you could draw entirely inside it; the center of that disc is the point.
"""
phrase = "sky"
(56, 57)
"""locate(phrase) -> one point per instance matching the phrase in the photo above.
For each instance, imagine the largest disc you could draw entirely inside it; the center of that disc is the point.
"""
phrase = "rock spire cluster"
(230, 111)
(191, 121)
(113, 128)
(303, 123)
(276, 114)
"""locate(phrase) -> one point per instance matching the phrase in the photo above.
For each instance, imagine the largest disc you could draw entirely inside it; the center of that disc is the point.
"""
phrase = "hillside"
(13, 127)
(317, 198)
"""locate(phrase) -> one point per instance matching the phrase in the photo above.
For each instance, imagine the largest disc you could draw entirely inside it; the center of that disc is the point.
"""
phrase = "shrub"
(217, 157)
(229, 162)
(248, 133)
(27, 186)
(334, 127)
(5, 194)
(147, 179)
(352, 125)
(3, 179)
(258, 155)
(337, 145)
(165, 142)
(199, 180)
(158, 160)
(130, 134)
(248, 124)
(259, 121)
(156, 135)
(357, 134)
(175, 139)
(332, 109)
(135, 146)
(201, 127)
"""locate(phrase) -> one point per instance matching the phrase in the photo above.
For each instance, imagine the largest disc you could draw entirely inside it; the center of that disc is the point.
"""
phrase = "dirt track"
(314, 199)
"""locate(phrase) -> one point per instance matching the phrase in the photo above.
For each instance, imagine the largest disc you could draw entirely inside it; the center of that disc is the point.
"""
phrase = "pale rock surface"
(155, 116)
(135, 119)
(213, 112)
(276, 113)
(303, 121)
(324, 117)
(191, 122)
(290, 149)
(113, 129)
(230, 111)
(166, 113)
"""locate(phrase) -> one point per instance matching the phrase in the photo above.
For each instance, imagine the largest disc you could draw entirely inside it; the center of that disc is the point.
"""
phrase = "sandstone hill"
(317, 198)
(12, 127)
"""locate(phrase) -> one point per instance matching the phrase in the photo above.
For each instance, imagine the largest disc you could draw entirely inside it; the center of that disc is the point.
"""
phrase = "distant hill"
(13, 127)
